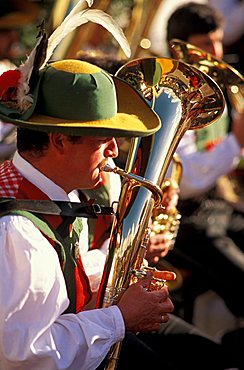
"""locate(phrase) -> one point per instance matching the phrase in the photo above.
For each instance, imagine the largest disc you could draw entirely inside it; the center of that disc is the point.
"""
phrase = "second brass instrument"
(184, 98)
(166, 219)
(227, 77)
(230, 187)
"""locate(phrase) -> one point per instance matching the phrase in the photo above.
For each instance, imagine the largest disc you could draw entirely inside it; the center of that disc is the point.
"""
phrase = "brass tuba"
(230, 187)
(184, 98)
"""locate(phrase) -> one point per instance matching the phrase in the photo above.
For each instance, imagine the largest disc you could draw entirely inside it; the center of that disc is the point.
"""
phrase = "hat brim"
(134, 118)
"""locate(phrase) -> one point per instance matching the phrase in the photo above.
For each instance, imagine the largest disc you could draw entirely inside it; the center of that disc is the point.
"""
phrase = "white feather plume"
(23, 97)
(105, 20)
(76, 19)
(77, 8)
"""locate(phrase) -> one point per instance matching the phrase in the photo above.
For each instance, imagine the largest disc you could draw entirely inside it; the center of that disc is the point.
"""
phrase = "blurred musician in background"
(233, 41)
(211, 233)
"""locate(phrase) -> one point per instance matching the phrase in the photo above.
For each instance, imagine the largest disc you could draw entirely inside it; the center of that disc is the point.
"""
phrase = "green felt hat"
(78, 98)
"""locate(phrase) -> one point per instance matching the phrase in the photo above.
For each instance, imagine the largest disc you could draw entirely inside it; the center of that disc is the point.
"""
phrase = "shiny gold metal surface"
(227, 77)
(166, 219)
(184, 98)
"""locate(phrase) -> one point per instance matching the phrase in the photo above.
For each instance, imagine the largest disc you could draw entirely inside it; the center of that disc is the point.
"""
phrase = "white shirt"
(202, 169)
(33, 333)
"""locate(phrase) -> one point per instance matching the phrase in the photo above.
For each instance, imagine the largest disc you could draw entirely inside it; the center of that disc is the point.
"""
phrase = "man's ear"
(57, 141)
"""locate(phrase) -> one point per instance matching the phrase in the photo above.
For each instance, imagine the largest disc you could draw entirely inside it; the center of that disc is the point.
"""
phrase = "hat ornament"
(16, 86)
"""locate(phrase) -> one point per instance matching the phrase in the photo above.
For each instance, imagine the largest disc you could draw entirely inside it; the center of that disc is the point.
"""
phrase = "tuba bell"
(227, 77)
(184, 98)
(230, 187)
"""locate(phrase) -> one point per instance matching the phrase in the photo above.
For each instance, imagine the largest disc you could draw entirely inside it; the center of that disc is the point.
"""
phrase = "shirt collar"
(47, 186)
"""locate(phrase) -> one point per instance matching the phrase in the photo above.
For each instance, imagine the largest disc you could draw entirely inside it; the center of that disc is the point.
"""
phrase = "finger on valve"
(164, 275)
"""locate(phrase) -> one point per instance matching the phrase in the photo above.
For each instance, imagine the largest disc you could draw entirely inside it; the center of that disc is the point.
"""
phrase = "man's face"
(83, 161)
(211, 42)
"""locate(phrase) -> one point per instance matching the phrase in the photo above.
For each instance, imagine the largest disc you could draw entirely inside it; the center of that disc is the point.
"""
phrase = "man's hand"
(158, 247)
(145, 311)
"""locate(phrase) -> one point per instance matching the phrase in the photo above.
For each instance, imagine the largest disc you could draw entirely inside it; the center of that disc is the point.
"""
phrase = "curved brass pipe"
(137, 181)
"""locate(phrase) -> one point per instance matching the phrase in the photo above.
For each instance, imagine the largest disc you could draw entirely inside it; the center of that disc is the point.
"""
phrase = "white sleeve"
(33, 332)
(202, 169)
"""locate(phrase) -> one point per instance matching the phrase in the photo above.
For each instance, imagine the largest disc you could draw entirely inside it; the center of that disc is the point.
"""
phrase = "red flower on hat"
(9, 82)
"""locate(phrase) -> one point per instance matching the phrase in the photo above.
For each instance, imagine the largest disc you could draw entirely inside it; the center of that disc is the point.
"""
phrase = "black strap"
(87, 209)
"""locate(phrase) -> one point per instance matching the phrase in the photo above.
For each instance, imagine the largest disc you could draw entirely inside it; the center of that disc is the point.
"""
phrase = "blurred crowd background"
(144, 23)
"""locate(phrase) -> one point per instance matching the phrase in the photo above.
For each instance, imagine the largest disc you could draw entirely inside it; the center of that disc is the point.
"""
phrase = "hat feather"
(40, 55)
(105, 20)
(29, 71)
(44, 49)
(78, 17)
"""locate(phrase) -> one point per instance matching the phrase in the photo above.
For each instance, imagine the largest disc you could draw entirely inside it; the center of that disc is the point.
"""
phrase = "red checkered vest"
(13, 184)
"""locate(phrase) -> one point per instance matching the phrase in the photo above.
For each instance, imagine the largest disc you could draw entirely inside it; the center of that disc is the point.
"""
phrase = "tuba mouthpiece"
(106, 168)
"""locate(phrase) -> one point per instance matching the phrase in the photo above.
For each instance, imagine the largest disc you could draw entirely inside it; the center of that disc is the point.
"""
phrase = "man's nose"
(111, 149)
(217, 50)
